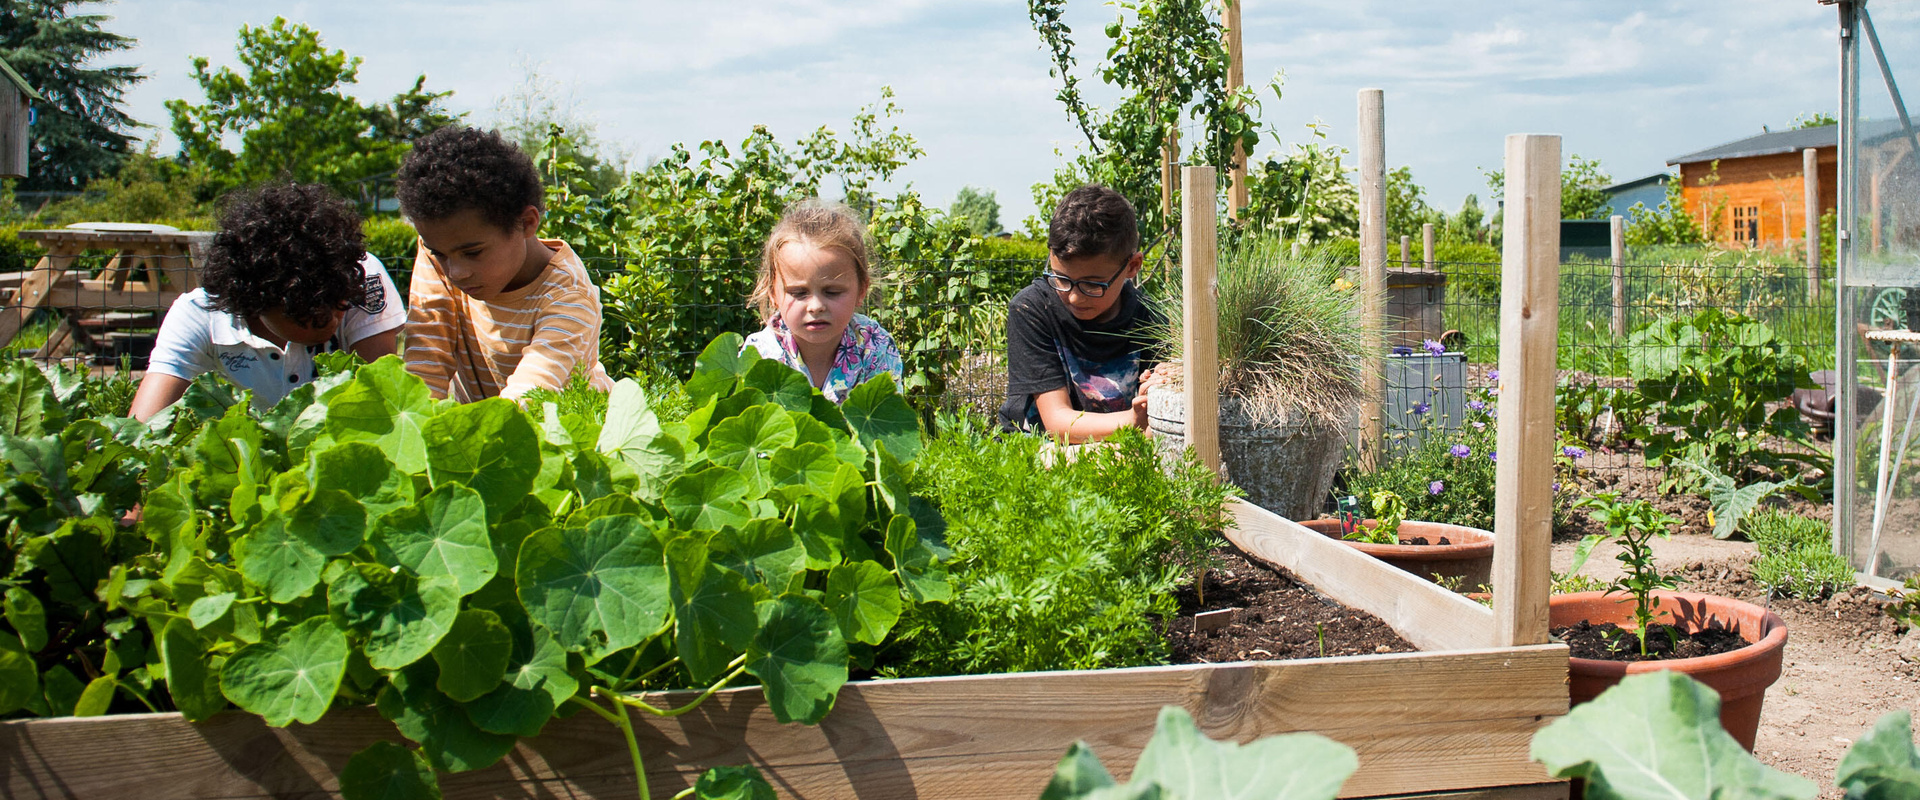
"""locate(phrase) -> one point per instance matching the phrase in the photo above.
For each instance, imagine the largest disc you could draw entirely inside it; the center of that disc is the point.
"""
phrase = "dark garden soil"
(1610, 642)
(1277, 618)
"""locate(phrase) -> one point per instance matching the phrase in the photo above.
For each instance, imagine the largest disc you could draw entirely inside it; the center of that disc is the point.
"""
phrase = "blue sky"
(1628, 83)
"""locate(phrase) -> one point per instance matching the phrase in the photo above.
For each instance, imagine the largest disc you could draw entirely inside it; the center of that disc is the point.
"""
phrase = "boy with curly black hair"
(495, 310)
(287, 277)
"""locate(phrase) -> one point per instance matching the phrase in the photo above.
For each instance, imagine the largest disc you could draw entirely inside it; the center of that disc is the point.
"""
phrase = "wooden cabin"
(16, 113)
(1750, 192)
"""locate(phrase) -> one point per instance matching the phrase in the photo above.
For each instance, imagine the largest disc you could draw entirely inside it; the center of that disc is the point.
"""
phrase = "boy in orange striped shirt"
(494, 310)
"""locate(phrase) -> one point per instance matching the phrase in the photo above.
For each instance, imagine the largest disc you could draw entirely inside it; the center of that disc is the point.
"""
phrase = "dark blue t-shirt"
(1098, 363)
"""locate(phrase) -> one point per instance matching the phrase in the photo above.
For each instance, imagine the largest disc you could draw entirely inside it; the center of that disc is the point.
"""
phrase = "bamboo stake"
(1619, 226)
(1373, 267)
(1426, 244)
(1201, 345)
(1529, 331)
(1236, 78)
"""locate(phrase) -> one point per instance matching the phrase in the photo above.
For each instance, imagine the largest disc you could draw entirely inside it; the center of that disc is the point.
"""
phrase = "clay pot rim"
(1479, 544)
(1773, 637)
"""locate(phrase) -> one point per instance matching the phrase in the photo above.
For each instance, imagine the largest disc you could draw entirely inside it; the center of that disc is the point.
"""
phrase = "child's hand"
(1140, 411)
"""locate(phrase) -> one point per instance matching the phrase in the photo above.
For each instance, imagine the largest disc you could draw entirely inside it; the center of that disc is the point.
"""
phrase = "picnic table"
(148, 266)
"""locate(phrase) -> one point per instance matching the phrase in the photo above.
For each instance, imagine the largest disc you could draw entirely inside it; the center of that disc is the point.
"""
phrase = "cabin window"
(1746, 224)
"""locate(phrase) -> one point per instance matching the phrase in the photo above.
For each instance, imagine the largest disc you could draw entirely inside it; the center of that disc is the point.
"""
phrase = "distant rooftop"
(1656, 178)
(1789, 141)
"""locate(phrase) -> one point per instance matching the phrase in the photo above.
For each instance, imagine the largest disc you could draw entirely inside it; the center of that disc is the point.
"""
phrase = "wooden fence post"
(1236, 78)
(1373, 268)
(1529, 332)
(1619, 225)
(1406, 252)
(1810, 179)
(1199, 219)
(1426, 243)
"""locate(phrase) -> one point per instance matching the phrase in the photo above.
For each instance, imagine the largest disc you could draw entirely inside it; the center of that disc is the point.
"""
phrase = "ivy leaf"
(290, 679)
(1883, 765)
(19, 676)
(449, 740)
(388, 771)
(401, 616)
(924, 577)
(600, 588)
(877, 413)
(473, 655)
(707, 500)
(765, 551)
(388, 407)
(1658, 734)
(445, 535)
(192, 682)
(746, 443)
(783, 385)
(713, 609)
(274, 559)
(364, 473)
(28, 618)
(865, 598)
(733, 783)
(537, 682)
(489, 446)
(799, 657)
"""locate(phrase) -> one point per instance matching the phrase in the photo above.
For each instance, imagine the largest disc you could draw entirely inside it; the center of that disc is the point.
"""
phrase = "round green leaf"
(444, 535)
(402, 617)
(537, 683)
(920, 571)
(423, 714)
(765, 551)
(812, 465)
(489, 446)
(799, 657)
(388, 771)
(274, 559)
(193, 683)
(290, 679)
(331, 521)
(865, 598)
(473, 655)
(209, 609)
(877, 413)
(600, 588)
(386, 406)
(365, 474)
(28, 618)
(713, 609)
(747, 442)
(733, 783)
(19, 677)
(784, 385)
(708, 500)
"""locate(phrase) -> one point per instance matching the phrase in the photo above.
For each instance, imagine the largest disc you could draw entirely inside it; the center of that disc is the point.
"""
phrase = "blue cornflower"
(1421, 408)
(1572, 452)
(1477, 404)
(1434, 346)
(1436, 487)
(1460, 451)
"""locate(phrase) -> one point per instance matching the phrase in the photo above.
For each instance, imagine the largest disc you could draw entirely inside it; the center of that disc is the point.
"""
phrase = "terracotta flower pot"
(1469, 557)
(1741, 676)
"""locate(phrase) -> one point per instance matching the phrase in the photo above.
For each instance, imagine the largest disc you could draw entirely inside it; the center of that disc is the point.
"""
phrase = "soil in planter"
(1279, 618)
(1610, 642)
(1422, 540)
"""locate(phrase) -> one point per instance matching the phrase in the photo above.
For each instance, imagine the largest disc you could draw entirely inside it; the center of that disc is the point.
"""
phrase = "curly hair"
(457, 168)
(1093, 220)
(294, 247)
(830, 226)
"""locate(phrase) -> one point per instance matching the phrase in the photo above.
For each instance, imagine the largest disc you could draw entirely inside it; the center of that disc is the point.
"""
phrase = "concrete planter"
(1285, 468)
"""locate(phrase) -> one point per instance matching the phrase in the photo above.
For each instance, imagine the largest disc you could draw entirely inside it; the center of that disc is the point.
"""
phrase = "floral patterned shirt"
(866, 351)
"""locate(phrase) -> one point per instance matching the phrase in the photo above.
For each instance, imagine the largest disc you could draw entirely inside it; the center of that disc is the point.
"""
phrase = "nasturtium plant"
(1181, 763)
(473, 571)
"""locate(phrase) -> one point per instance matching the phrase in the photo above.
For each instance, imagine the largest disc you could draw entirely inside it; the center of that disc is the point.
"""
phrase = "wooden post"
(1373, 267)
(1426, 244)
(1529, 332)
(1169, 172)
(1619, 224)
(1406, 252)
(1236, 78)
(1810, 179)
(1200, 319)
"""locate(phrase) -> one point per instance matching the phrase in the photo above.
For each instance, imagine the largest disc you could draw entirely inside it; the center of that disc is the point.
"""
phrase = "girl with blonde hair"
(813, 278)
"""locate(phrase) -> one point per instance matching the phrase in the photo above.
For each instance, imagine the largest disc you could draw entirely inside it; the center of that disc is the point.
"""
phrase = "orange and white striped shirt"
(533, 337)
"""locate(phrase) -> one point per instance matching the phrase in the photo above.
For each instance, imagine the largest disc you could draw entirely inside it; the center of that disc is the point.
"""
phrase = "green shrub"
(1061, 559)
(1015, 248)
(1796, 556)
(393, 240)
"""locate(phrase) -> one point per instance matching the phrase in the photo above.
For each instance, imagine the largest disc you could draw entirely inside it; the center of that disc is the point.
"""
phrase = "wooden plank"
(1373, 269)
(1199, 249)
(1426, 244)
(1618, 241)
(1424, 722)
(1529, 334)
(1422, 612)
(1533, 791)
(34, 289)
(1237, 190)
(1810, 210)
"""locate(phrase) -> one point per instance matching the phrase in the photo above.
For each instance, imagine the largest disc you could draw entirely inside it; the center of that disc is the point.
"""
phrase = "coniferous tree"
(81, 132)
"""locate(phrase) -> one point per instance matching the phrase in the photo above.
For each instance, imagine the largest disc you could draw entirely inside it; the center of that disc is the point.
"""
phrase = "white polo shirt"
(195, 340)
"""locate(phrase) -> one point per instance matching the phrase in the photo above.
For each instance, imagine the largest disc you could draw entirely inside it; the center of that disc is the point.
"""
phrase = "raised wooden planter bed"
(1456, 718)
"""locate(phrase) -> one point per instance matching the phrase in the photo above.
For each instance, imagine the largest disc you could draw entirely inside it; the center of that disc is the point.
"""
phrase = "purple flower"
(1460, 451)
(1556, 487)
(1420, 408)
(1572, 452)
(1479, 426)
(1493, 375)
(1477, 404)
(1434, 347)
(1493, 457)
(1436, 487)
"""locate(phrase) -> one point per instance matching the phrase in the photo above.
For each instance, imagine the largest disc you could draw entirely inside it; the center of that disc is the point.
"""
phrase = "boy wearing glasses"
(1078, 352)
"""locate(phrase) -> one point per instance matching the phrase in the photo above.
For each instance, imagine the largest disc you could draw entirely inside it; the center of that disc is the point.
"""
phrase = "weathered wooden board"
(1422, 612)
(1420, 722)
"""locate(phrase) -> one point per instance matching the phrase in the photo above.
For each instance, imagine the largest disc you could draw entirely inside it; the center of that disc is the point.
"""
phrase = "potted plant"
(1454, 555)
(1289, 340)
(1639, 623)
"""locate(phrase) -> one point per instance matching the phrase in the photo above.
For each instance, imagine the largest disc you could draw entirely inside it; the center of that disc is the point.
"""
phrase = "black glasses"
(1064, 284)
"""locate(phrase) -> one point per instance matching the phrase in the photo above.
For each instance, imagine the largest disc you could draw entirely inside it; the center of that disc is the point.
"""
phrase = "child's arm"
(431, 330)
(565, 337)
(1075, 427)
(157, 391)
(181, 350)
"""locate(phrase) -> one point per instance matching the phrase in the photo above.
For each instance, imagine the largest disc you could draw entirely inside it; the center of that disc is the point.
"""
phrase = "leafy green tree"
(1582, 183)
(1407, 207)
(292, 115)
(1670, 223)
(81, 133)
(1305, 194)
(978, 209)
(530, 111)
(1468, 224)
